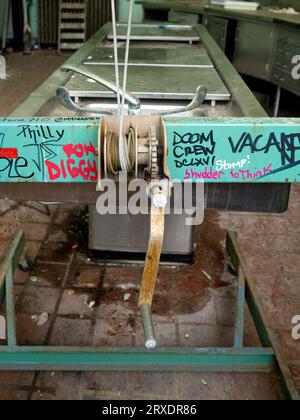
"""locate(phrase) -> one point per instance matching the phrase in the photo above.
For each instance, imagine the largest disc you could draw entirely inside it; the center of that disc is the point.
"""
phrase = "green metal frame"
(6, 15)
(236, 359)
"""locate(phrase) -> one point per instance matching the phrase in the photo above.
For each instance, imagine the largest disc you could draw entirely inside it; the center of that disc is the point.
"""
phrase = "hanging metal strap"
(159, 201)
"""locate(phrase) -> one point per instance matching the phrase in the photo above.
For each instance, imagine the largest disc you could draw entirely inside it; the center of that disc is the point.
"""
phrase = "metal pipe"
(277, 102)
(199, 98)
(150, 341)
(63, 96)
(5, 25)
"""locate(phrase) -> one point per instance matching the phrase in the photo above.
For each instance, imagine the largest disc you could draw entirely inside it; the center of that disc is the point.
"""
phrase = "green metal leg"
(10, 308)
(240, 312)
(235, 359)
(265, 332)
(6, 22)
(11, 261)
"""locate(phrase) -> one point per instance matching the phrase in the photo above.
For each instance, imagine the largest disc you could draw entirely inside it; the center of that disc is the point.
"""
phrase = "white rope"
(124, 161)
(115, 41)
(123, 154)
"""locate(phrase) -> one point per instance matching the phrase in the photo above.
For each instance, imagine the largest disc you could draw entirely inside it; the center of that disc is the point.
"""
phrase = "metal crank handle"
(63, 96)
(159, 200)
(133, 101)
(199, 98)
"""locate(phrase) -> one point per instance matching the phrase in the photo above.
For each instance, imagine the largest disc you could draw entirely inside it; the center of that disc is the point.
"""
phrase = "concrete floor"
(24, 75)
(195, 302)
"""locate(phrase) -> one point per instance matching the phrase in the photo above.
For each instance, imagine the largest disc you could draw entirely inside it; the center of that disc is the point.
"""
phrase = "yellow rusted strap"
(153, 255)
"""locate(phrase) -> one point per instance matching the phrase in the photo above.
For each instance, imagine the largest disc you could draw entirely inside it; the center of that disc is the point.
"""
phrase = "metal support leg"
(5, 26)
(277, 101)
(240, 312)
(265, 332)
(236, 359)
(10, 308)
(11, 261)
(27, 29)
(7, 284)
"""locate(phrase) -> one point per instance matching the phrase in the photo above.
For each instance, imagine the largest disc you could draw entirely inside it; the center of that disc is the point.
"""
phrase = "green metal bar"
(10, 308)
(2, 296)
(240, 311)
(6, 22)
(259, 321)
(17, 358)
(111, 359)
(266, 334)
(11, 261)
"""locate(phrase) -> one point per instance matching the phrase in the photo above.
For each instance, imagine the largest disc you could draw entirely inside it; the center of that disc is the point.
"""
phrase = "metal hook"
(63, 96)
(133, 101)
(198, 99)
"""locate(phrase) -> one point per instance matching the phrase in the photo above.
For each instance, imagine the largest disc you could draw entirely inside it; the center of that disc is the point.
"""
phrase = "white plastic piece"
(43, 319)
(158, 191)
(122, 145)
(160, 200)
(2, 328)
(151, 344)
(236, 5)
(2, 68)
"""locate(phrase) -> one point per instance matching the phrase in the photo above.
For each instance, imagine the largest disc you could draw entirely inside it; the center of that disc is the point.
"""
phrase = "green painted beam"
(127, 359)
(266, 334)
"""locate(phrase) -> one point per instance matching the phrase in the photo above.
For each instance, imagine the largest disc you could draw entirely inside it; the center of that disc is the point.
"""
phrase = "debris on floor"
(40, 320)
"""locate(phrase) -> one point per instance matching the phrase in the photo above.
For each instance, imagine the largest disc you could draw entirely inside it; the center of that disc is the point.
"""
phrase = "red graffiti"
(79, 150)
(85, 169)
(76, 165)
(9, 153)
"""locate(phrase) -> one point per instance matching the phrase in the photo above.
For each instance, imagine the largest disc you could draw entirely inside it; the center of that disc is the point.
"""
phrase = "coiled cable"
(112, 164)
